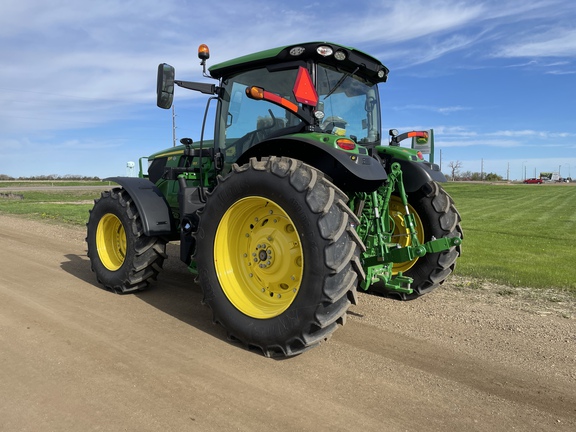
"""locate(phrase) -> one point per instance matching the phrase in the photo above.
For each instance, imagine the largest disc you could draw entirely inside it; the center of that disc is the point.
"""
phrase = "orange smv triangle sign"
(304, 90)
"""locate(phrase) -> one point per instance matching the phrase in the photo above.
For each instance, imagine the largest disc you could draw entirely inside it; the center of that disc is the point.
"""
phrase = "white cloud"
(558, 42)
(531, 133)
(462, 137)
(436, 109)
(454, 131)
(393, 22)
(442, 143)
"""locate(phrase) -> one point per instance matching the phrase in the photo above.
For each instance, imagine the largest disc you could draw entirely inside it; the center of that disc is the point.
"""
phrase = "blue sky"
(496, 80)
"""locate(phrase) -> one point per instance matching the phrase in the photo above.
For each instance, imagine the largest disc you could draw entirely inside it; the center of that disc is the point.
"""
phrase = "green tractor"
(295, 203)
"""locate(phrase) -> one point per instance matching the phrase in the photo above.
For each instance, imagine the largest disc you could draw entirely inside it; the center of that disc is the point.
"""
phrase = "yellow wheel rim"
(401, 234)
(258, 257)
(111, 242)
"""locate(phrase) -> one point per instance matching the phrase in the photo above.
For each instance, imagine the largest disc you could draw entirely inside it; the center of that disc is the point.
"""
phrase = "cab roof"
(344, 58)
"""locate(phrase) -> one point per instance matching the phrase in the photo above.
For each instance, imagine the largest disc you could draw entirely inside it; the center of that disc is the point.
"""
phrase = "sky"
(495, 79)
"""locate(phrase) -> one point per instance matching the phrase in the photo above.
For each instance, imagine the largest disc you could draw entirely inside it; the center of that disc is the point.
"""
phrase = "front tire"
(122, 256)
(277, 255)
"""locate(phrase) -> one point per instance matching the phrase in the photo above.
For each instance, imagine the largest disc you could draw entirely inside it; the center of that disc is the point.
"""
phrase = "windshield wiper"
(340, 81)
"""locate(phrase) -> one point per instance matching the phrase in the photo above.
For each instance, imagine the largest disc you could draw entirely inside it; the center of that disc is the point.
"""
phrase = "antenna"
(173, 127)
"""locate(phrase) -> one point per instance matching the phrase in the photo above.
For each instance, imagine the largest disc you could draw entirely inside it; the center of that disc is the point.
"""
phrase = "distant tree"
(493, 177)
(51, 177)
(466, 175)
(476, 176)
(454, 168)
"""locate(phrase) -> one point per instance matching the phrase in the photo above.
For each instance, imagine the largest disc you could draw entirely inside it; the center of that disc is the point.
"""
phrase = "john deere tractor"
(295, 202)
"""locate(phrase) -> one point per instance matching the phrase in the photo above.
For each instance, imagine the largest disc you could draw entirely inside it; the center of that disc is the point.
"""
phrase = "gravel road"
(469, 357)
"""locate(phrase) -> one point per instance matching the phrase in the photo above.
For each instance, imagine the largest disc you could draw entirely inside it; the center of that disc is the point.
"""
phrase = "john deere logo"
(422, 140)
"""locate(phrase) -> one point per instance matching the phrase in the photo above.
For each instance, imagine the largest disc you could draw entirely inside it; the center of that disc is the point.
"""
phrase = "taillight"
(346, 144)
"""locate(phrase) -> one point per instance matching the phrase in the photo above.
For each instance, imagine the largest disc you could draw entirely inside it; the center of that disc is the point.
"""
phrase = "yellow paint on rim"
(258, 257)
(111, 242)
(401, 234)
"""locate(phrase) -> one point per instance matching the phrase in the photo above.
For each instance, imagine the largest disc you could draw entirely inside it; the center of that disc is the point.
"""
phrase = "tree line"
(456, 175)
(4, 177)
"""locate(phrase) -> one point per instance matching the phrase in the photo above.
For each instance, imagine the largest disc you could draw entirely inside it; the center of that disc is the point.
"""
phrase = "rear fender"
(417, 174)
(348, 171)
(151, 204)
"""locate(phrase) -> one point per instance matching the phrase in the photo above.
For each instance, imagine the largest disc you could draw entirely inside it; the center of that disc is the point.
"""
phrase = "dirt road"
(75, 357)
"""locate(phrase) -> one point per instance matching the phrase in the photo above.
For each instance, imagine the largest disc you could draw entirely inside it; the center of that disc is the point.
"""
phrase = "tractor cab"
(317, 87)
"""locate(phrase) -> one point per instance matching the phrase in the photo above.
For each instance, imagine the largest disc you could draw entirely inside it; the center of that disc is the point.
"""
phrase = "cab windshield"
(349, 104)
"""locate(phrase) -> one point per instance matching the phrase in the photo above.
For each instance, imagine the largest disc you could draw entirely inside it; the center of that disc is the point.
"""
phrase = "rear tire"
(277, 255)
(439, 219)
(123, 258)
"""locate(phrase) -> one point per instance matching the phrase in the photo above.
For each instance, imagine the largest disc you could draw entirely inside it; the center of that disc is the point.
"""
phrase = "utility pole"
(173, 127)
(482, 169)
(508, 172)
(440, 160)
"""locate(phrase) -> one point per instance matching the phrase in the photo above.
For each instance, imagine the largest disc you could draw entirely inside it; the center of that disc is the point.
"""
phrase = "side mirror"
(165, 86)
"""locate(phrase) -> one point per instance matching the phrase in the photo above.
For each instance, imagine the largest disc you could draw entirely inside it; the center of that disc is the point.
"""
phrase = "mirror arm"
(201, 87)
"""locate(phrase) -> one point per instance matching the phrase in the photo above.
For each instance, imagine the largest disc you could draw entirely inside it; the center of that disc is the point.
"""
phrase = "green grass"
(47, 183)
(518, 235)
(68, 207)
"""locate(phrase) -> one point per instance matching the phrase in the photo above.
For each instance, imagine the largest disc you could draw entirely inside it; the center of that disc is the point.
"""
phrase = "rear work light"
(324, 50)
(296, 51)
(340, 55)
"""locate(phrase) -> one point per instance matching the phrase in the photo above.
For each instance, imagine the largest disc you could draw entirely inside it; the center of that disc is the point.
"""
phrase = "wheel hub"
(263, 277)
(401, 234)
(263, 255)
(111, 242)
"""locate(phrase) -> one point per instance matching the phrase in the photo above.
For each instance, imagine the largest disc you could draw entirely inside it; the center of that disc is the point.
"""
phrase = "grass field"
(518, 235)
(46, 183)
(69, 207)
